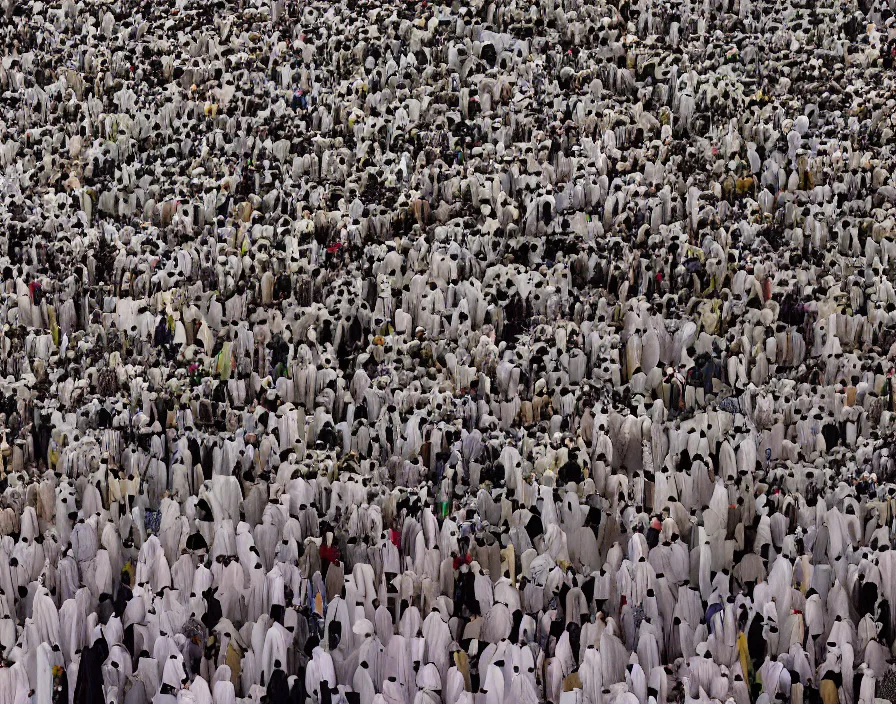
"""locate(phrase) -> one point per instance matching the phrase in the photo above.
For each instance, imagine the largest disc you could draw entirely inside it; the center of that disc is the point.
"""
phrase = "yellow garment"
(743, 652)
(692, 251)
(129, 568)
(462, 661)
(224, 363)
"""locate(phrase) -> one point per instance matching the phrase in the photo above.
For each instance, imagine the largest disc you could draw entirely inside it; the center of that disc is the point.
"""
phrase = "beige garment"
(462, 661)
(828, 692)
(572, 682)
(234, 660)
(508, 562)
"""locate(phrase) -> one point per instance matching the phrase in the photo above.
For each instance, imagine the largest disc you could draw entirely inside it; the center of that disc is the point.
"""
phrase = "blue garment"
(710, 612)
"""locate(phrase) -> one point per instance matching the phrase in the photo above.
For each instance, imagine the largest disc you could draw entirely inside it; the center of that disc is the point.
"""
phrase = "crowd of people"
(447, 352)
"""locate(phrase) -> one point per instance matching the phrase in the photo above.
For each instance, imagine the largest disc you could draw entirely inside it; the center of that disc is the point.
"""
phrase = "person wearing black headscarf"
(89, 687)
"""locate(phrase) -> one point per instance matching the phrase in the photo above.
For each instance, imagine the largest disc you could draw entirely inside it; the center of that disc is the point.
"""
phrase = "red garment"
(395, 537)
(465, 560)
(330, 553)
